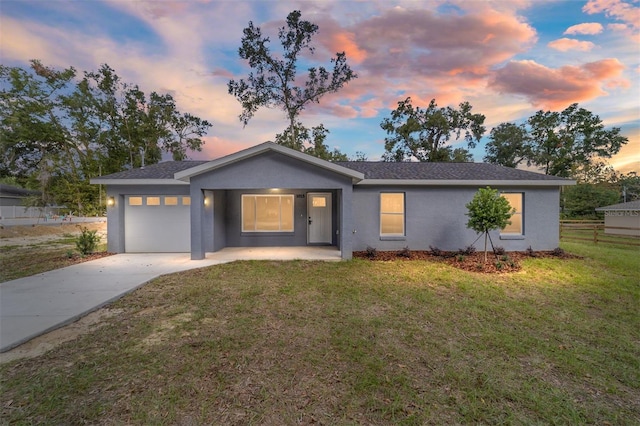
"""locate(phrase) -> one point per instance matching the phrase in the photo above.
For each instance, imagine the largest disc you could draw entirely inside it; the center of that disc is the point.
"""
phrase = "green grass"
(20, 261)
(354, 342)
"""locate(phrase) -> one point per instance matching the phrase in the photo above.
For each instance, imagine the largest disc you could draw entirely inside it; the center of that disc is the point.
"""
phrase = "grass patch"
(354, 342)
(26, 260)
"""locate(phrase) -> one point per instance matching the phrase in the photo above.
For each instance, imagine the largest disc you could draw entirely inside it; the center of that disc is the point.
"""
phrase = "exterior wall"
(269, 172)
(622, 219)
(115, 213)
(436, 216)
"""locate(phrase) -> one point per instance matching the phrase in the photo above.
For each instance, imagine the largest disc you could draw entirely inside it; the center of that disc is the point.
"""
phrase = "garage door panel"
(157, 224)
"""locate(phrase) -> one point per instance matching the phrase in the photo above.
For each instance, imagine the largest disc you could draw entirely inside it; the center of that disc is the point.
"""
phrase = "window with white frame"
(392, 214)
(267, 212)
(515, 200)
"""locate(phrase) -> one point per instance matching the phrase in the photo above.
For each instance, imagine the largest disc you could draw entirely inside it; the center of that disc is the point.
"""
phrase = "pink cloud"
(620, 10)
(565, 44)
(586, 28)
(463, 45)
(557, 88)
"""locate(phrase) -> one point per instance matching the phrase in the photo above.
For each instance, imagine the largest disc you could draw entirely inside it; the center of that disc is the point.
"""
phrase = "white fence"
(18, 212)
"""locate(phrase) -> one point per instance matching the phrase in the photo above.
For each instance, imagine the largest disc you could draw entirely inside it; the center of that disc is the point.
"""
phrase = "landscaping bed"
(467, 259)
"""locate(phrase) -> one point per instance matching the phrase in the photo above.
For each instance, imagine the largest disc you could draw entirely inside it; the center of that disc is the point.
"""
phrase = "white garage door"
(157, 223)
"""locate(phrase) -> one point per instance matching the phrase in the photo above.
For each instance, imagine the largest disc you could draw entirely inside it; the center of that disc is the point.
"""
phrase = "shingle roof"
(631, 205)
(441, 171)
(14, 191)
(164, 170)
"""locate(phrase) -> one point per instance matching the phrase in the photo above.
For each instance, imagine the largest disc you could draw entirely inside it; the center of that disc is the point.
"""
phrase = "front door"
(319, 220)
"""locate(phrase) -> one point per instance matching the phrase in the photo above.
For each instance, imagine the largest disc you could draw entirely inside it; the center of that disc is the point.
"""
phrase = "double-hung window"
(392, 214)
(516, 201)
(267, 213)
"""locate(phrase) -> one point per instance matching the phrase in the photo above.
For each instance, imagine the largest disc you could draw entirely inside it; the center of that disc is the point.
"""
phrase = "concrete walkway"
(35, 305)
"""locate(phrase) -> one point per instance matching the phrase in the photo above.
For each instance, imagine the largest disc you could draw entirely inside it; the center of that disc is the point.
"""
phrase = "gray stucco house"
(270, 195)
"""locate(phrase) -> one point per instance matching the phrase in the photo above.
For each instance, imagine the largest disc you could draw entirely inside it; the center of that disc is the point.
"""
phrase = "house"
(622, 219)
(270, 195)
(13, 196)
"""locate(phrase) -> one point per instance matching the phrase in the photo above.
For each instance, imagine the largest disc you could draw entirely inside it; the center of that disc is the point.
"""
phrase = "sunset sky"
(508, 59)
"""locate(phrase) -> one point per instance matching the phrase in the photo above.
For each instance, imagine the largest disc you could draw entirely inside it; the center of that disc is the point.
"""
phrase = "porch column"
(345, 196)
(197, 213)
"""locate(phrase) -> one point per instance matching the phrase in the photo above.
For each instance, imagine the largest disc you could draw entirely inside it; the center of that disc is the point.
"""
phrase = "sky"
(507, 58)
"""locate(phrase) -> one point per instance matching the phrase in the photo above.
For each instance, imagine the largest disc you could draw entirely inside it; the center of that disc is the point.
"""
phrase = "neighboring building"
(623, 215)
(270, 195)
(13, 196)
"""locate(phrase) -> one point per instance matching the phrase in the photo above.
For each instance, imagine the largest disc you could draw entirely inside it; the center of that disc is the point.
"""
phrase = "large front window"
(267, 213)
(392, 214)
(515, 201)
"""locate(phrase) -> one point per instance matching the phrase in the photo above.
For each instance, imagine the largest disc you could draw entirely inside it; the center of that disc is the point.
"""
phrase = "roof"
(361, 172)
(185, 175)
(152, 174)
(631, 205)
(11, 191)
(414, 173)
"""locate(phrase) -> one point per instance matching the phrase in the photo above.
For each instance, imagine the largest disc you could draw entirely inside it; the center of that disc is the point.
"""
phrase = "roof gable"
(187, 174)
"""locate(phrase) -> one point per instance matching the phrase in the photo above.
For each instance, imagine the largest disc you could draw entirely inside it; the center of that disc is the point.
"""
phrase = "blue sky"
(508, 59)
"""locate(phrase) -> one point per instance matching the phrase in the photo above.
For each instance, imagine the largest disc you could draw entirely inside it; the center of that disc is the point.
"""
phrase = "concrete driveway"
(35, 305)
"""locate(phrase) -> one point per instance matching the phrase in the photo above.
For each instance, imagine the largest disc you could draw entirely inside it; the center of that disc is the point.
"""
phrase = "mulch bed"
(473, 262)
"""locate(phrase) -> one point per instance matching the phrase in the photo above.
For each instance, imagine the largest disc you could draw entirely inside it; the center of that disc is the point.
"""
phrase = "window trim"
(393, 236)
(268, 231)
(515, 235)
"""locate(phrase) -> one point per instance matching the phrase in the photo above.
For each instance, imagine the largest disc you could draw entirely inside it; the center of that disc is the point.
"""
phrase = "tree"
(310, 142)
(488, 211)
(581, 200)
(422, 133)
(58, 130)
(562, 142)
(274, 81)
(509, 145)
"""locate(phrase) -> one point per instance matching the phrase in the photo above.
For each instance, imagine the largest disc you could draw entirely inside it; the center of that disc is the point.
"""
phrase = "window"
(135, 201)
(515, 201)
(186, 201)
(392, 214)
(170, 201)
(153, 201)
(267, 213)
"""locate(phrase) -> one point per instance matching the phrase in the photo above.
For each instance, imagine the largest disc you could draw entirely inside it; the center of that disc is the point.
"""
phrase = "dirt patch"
(44, 343)
(473, 262)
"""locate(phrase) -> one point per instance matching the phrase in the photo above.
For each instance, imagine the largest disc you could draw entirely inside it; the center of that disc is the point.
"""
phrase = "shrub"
(435, 251)
(530, 252)
(468, 251)
(371, 252)
(405, 252)
(87, 241)
(499, 250)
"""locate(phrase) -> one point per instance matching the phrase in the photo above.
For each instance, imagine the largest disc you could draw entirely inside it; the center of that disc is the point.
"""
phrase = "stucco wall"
(271, 173)
(435, 216)
(622, 219)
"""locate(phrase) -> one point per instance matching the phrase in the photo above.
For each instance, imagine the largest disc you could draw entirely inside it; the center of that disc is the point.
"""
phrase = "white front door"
(319, 220)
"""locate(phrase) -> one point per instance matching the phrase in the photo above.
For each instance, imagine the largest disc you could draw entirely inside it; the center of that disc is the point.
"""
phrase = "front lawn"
(359, 342)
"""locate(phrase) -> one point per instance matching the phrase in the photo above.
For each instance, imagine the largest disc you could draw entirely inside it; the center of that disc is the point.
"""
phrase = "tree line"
(58, 129)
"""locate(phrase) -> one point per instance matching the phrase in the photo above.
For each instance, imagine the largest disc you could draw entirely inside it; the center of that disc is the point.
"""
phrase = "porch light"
(111, 201)
(206, 201)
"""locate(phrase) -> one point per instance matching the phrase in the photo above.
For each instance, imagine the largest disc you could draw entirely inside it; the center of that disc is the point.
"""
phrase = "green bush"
(87, 241)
